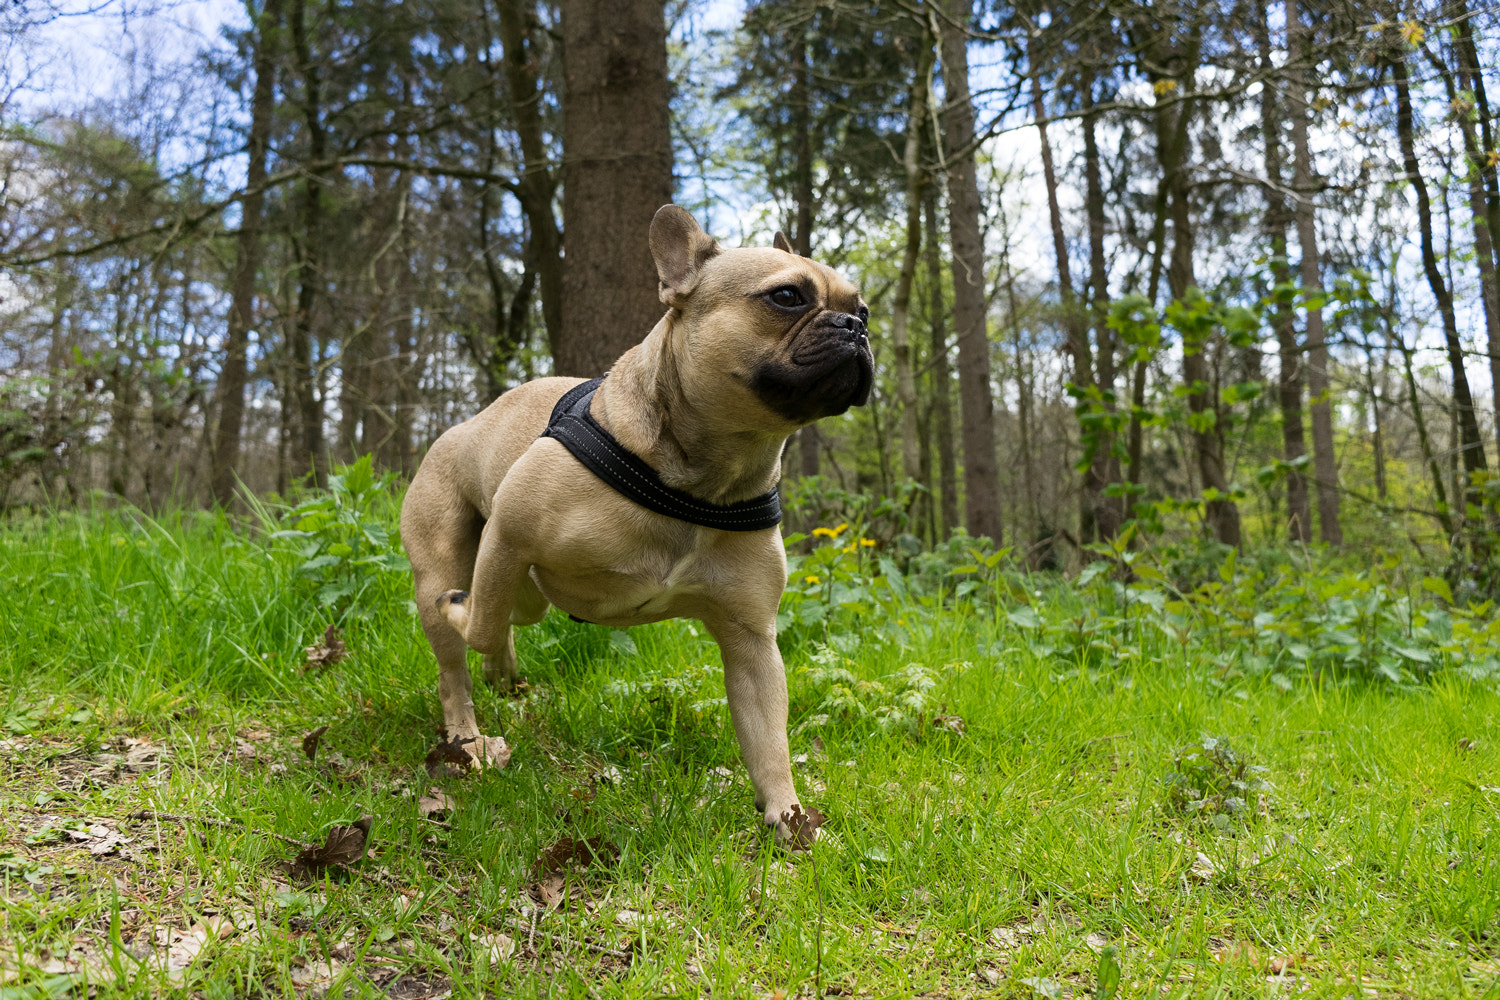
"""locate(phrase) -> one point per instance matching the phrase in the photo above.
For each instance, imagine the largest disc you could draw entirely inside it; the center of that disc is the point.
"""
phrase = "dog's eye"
(787, 297)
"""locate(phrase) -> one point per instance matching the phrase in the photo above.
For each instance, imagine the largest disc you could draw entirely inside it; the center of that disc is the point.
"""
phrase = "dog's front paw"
(796, 827)
(454, 606)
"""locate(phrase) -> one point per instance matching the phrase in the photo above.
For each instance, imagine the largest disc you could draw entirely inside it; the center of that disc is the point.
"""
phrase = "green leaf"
(621, 642)
(1438, 586)
(1024, 617)
(1089, 572)
(1107, 975)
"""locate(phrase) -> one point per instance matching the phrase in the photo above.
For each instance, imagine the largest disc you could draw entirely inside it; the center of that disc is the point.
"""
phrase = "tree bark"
(1325, 465)
(233, 374)
(1276, 220)
(1172, 146)
(981, 467)
(942, 373)
(536, 189)
(1471, 445)
(309, 265)
(1109, 512)
(1073, 319)
(617, 171)
(906, 386)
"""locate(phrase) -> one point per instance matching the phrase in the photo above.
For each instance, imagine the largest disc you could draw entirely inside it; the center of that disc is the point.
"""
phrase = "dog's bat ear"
(780, 242)
(680, 248)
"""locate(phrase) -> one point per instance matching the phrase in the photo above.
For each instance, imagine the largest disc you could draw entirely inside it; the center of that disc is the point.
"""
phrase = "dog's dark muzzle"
(828, 369)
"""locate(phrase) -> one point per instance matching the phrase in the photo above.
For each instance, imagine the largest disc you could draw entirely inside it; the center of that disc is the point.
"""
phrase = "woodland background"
(1214, 270)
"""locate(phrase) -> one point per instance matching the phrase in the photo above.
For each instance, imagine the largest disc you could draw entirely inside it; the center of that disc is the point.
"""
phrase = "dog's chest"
(648, 587)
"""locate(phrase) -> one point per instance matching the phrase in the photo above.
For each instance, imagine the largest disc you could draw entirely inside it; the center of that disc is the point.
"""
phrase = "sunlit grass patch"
(999, 793)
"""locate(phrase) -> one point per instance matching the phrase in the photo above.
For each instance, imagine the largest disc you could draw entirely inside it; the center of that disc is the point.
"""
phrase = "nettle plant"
(349, 556)
(903, 701)
(1211, 782)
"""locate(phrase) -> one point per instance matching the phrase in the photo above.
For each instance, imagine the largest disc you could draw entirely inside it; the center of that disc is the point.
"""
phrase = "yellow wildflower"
(824, 533)
(847, 549)
(809, 579)
(1413, 32)
(868, 543)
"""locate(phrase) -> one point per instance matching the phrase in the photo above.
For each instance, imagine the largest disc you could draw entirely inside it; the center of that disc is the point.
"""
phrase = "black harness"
(628, 474)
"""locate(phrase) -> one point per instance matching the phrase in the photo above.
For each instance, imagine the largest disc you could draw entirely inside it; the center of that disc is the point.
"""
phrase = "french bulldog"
(502, 522)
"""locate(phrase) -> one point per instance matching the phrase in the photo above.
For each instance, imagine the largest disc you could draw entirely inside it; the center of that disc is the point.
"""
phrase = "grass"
(154, 666)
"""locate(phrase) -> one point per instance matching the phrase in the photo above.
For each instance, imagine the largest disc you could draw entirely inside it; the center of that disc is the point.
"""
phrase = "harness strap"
(629, 475)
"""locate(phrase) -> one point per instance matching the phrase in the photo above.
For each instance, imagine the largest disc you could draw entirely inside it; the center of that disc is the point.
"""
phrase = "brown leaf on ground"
(488, 752)
(802, 826)
(1279, 965)
(448, 759)
(571, 852)
(499, 947)
(549, 891)
(435, 803)
(344, 846)
(311, 741)
(328, 652)
(458, 756)
(952, 723)
(1238, 953)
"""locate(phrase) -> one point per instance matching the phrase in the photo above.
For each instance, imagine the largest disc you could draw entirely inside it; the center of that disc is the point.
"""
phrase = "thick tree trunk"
(981, 467)
(1289, 384)
(906, 385)
(1470, 443)
(617, 171)
(942, 373)
(232, 376)
(1325, 465)
(537, 187)
(314, 455)
(1109, 512)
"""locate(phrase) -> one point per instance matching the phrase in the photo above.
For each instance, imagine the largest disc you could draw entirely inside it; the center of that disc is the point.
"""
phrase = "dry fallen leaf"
(499, 947)
(952, 723)
(549, 891)
(573, 852)
(448, 759)
(1204, 869)
(344, 846)
(328, 652)
(435, 803)
(802, 826)
(1279, 965)
(1238, 952)
(311, 741)
(454, 758)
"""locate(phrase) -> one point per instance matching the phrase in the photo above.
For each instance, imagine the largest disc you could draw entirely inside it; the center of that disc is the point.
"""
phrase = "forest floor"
(1014, 834)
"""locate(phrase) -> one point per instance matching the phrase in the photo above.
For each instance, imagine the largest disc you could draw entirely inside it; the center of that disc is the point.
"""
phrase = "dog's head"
(779, 338)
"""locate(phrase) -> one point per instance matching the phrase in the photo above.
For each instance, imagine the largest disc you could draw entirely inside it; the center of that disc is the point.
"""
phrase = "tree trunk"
(981, 468)
(1074, 324)
(537, 187)
(1463, 98)
(617, 171)
(309, 265)
(1325, 465)
(906, 385)
(1289, 384)
(1172, 147)
(942, 373)
(1109, 512)
(232, 376)
(1414, 401)
(1470, 443)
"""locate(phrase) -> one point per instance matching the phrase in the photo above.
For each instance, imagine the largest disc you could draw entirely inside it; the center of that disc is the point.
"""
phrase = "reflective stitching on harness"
(598, 450)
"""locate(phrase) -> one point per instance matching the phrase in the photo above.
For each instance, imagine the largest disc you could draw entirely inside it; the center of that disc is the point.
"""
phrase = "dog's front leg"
(755, 685)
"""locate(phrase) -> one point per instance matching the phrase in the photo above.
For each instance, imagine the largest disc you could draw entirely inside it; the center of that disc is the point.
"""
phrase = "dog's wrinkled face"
(777, 339)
